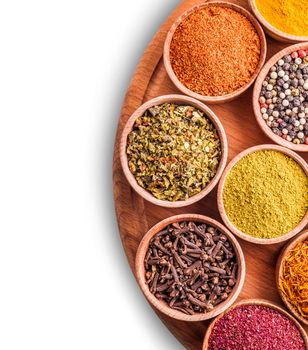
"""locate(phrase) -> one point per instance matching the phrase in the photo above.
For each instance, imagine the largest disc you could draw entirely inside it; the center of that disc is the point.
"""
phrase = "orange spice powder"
(215, 51)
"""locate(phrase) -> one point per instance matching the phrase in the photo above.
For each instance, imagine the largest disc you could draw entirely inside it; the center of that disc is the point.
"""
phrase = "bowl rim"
(256, 95)
(299, 238)
(270, 28)
(301, 225)
(177, 99)
(160, 305)
(257, 302)
(234, 94)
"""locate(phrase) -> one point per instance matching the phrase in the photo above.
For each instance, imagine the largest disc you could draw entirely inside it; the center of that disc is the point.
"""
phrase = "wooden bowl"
(274, 32)
(161, 305)
(178, 99)
(213, 99)
(303, 236)
(256, 95)
(223, 213)
(259, 302)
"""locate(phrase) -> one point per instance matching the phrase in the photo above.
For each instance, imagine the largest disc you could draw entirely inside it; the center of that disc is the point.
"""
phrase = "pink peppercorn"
(294, 54)
(306, 141)
(254, 327)
(301, 53)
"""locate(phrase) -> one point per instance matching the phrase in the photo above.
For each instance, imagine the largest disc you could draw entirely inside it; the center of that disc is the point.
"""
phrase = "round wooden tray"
(136, 216)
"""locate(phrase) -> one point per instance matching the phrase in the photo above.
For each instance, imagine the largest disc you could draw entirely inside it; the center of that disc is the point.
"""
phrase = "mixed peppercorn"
(284, 98)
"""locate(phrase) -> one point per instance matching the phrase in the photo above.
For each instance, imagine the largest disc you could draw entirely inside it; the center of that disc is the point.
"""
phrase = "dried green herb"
(173, 151)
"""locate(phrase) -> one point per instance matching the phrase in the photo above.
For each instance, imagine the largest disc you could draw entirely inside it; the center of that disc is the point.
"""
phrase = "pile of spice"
(289, 16)
(215, 51)
(265, 195)
(191, 266)
(284, 97)
(255, 327)
(294, 279)
(173, 151)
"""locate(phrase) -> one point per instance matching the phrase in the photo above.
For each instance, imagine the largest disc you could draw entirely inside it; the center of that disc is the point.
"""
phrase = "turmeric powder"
(289, 16)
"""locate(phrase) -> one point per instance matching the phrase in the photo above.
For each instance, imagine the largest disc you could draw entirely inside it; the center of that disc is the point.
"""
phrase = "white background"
(64, 280)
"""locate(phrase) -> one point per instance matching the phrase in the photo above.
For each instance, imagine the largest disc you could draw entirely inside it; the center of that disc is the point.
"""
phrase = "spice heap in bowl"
(283, 100)
(214, 51)
(191, 270)
(173, 150)
(255, 325)
(284, 20)
(292, 276)
(263, 194)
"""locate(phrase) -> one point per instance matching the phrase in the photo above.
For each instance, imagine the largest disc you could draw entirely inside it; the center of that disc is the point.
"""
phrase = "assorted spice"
(215, 51)
(173, 151)
(255, 327)
(284, 97)
(294, 279)
(265, 195)
(191, 266)
(289, 16)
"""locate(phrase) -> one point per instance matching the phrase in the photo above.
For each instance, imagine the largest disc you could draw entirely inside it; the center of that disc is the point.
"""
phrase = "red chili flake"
(255, 327)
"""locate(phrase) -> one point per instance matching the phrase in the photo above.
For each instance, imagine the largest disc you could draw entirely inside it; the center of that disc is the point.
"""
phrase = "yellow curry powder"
(289, 16)
(265, 195)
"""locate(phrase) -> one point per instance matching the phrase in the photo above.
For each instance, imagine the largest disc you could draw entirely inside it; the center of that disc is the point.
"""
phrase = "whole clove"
(191, 266)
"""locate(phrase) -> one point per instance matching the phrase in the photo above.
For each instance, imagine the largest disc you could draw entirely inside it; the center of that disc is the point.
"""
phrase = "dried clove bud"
(191, 266)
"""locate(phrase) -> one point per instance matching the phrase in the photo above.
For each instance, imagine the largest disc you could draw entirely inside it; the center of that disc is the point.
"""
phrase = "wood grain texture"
(135, 216)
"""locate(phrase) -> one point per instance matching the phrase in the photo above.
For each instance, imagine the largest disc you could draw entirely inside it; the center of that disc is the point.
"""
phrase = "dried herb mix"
(255, 327)
(191, 266)
(215, 51)
(173, 151)
(294, 280)
(265, 195)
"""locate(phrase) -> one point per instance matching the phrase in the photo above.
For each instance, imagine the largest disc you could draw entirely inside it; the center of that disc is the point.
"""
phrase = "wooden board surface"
(135, 216)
